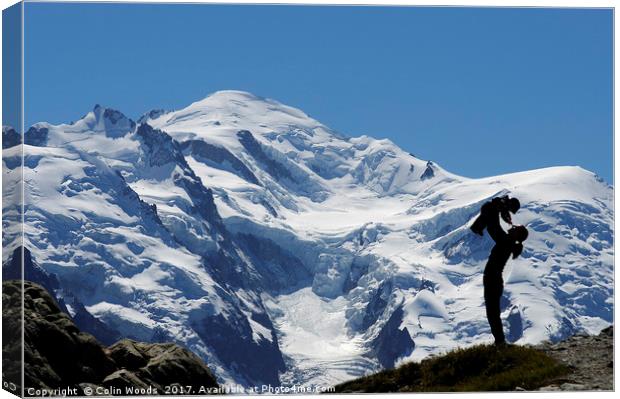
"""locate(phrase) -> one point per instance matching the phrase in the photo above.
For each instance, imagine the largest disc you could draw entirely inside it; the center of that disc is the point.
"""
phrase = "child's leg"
(479, 225)
(493, 225)
(482, 220)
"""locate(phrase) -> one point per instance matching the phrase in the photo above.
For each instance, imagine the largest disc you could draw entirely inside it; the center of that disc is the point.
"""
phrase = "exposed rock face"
(111, 121)
(392, 342)
(591, 359)
(279, 269)
(253, 147)
(10, 137)
(376, 305)
(59, 355)
(429, 172)
(237, 350)
(218, 157)
(12, 270)
(36, 136)
(156, 365)
(92, 325)
(159, 148)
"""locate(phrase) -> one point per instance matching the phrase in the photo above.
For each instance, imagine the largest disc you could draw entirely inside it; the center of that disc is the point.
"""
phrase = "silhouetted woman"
(506, 244)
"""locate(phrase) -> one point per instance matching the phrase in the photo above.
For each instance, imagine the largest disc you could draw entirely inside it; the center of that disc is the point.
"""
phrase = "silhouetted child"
(498, 205)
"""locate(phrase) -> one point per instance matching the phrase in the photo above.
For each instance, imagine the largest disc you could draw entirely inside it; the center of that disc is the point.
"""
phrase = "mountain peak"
(114, 123)
(234, 99)
(152, 114)
(228, 111)
(234, 95)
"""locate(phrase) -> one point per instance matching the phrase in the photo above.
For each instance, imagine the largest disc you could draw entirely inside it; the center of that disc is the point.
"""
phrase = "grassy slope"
(479, 368)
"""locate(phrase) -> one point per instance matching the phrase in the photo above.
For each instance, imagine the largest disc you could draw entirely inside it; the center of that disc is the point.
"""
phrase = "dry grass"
(479, 368)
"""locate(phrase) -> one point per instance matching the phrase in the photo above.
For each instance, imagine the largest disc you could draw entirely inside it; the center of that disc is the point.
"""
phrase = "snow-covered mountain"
(284, 252)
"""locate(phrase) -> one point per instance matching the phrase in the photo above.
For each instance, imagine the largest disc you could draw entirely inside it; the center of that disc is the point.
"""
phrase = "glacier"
(284, 252)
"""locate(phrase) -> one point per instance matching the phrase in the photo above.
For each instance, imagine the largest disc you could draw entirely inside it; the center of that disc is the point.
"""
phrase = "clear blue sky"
(480, 91)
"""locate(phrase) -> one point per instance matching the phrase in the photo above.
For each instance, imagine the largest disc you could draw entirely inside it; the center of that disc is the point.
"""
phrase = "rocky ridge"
(59, 355)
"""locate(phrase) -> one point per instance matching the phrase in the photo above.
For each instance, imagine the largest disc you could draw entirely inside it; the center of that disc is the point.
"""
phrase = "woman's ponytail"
(518, 234)
(517, 248)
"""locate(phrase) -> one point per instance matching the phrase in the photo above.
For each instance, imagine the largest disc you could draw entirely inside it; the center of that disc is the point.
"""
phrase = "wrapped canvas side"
(12, 201)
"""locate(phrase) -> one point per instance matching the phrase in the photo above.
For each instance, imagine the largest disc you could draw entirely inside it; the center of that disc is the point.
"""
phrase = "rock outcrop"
(58, 354)
(590, 359)
(156, 365)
